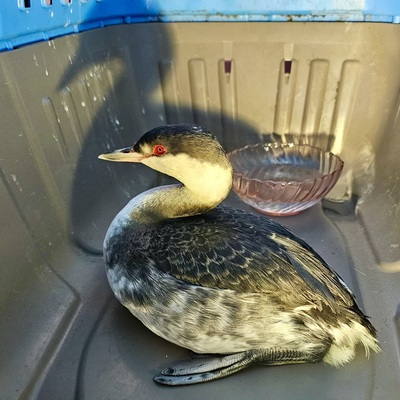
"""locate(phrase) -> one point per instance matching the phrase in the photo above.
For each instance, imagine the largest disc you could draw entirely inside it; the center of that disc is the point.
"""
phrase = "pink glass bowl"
(283, 178)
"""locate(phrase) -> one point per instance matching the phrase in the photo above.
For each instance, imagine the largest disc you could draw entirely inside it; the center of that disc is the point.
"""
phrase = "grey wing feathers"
(230, 249)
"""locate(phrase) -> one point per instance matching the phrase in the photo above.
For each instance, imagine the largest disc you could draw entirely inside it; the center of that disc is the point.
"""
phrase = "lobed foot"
(208, 368)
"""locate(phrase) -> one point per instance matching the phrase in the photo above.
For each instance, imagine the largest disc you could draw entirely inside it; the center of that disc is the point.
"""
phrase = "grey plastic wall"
(63, 102)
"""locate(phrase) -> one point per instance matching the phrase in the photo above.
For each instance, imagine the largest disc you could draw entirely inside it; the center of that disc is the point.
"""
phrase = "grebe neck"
(204, 185)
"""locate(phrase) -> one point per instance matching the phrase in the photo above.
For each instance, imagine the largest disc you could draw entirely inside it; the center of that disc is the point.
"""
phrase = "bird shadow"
(120, 81)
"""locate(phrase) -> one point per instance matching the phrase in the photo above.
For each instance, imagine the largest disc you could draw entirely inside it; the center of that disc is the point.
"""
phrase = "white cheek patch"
(203, 178)
(179, 166)
(165, 163)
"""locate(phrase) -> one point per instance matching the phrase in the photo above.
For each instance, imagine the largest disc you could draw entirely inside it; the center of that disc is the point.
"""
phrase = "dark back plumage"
(227, 248)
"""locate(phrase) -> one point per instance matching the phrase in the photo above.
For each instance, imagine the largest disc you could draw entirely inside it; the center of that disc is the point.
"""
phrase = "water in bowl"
(283, 173)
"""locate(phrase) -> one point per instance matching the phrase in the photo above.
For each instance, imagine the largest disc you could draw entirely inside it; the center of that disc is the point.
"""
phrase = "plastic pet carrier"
(82, 77)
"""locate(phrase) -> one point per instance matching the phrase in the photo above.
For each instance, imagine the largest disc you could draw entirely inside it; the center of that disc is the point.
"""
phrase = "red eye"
(159, 150)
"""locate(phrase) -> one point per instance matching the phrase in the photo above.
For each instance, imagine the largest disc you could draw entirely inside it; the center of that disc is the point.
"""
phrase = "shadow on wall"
(127, 81)
(117, 75)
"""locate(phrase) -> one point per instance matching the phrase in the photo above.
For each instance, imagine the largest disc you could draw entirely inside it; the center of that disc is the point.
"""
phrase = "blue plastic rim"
(28, 21)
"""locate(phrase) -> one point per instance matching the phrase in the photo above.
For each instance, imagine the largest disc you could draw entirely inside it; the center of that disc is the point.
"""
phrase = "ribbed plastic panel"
(65, 101)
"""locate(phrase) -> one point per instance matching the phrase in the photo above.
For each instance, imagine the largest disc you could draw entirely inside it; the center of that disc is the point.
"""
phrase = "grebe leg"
(210, 368)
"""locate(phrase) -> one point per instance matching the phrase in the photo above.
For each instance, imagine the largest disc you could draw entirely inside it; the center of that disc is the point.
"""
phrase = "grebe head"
(186, 152)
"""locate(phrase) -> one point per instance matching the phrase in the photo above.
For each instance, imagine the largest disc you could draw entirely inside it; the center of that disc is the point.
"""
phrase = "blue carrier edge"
(28, 21)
